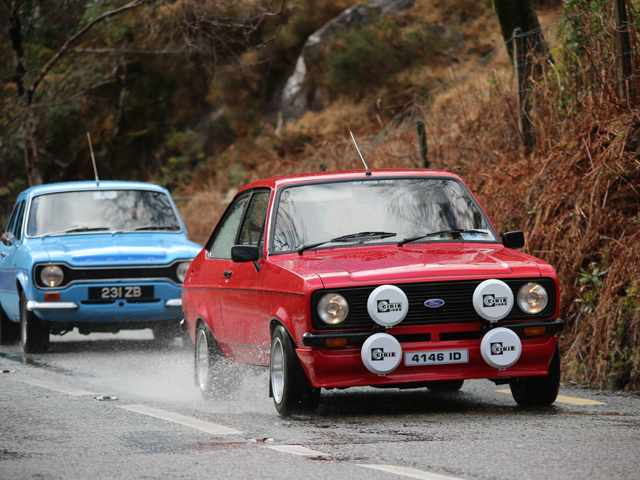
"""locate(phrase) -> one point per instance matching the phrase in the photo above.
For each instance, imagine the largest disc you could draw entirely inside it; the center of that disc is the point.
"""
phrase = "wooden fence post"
(624, 51)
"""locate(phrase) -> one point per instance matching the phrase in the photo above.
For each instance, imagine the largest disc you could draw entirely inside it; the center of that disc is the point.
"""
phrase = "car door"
(12, 240)
(206, 283)
(241, 294)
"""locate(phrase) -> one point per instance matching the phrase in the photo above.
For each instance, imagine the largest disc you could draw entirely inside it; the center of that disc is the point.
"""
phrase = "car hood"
(389, 264)
(119, 249)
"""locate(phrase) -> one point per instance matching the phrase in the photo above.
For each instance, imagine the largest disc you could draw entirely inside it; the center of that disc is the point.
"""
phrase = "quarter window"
(253, 225)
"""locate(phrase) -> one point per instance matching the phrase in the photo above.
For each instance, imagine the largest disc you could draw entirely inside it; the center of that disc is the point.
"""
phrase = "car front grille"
(106, 274)
(457, 307)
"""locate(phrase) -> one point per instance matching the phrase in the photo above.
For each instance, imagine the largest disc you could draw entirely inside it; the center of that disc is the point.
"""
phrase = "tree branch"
(64, 49)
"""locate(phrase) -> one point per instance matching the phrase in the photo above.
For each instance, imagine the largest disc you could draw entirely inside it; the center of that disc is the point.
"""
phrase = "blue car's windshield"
(373, 211)
(100, 211)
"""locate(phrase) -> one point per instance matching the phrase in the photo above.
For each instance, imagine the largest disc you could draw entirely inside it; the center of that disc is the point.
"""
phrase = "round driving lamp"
(333, 308)
(181, 271)
(532, 298)
(52, 276)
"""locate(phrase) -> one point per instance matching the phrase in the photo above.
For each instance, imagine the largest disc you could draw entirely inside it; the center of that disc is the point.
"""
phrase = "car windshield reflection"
(405, 210)
(99, 211)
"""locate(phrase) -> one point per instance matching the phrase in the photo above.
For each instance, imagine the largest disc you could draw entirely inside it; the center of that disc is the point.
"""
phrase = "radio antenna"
(93, 159)
(367, 171)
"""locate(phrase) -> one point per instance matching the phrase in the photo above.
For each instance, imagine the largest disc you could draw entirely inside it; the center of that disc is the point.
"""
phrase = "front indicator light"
(532, 298)
(52, 275)
(333, 308)
(335, 342)
(534, 331)
(52, 297)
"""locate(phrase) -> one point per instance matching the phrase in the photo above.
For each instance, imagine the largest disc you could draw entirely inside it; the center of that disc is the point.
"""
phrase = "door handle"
(227, 273)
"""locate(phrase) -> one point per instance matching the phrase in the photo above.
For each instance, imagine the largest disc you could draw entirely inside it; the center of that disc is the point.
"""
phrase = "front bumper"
(343, 367)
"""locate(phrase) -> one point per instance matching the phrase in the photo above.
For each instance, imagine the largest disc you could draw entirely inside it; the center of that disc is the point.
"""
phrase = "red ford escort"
(390, 278)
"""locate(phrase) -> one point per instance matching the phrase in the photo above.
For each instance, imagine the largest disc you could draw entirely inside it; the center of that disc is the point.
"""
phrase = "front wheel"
(9, 331)
(292, 393)
(538, 391)
(34, 334)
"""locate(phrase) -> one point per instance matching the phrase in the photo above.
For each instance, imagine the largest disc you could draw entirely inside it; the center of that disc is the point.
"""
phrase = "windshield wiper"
(76, 230)
(156, 227)
(456, 231)
(353, 237)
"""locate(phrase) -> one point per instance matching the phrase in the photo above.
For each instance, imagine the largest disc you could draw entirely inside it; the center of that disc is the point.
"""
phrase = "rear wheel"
(538, 391)
(34, 334)
(213, 375)
(9, 331)
(445, 385)
(292, 393)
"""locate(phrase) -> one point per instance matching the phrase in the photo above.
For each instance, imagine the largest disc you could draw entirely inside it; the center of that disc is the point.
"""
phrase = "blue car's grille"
(457, 307)
(105, 274)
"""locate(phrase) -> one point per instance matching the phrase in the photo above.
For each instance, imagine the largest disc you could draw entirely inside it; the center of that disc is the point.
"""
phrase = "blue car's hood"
(119, 249)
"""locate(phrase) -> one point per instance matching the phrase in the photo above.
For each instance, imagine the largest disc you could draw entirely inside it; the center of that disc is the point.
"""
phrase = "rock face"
(299, 94)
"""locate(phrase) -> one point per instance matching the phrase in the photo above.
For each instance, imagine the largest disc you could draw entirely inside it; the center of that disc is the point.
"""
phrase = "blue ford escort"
(97, 256)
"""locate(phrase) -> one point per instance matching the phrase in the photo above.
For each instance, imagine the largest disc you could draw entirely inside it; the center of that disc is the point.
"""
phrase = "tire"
(34, 334)
(163, 334)
(212, 371)
(9, 331)
(289, 386)
(538, 391)
(449, 386)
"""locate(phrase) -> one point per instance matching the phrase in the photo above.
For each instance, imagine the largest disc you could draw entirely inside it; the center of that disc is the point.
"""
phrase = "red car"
(390, 278)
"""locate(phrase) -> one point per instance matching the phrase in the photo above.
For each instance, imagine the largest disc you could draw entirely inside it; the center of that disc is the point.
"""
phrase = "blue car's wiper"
(456, 231)
(76, 230)
(353, 237)
(156, 227)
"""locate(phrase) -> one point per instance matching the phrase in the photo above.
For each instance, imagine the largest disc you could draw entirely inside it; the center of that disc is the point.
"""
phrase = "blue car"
(97, 256)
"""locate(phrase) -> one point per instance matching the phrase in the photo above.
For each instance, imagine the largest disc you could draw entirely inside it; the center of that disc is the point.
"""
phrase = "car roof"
(91, 185)
(291, 179)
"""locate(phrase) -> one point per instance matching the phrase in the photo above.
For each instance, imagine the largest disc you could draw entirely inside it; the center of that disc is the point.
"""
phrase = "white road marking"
(563, 399)
(51, 386)
(213, 428)
(298, 450)
(408, 472)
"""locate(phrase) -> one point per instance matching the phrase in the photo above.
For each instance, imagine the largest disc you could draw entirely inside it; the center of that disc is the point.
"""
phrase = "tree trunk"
(514, 14)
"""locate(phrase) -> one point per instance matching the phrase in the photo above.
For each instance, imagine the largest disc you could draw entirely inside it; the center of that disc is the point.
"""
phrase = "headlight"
(333, 308)
(532, 298)
(181, 271)
(52, 275)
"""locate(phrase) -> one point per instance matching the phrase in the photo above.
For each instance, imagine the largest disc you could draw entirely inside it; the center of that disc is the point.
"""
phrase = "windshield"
(378, 211)
(100, 211)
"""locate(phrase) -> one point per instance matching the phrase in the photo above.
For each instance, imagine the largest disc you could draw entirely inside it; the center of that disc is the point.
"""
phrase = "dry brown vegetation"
(576, 195)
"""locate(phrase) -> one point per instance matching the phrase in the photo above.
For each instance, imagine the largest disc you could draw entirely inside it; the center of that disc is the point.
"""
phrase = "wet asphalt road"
(116, 406)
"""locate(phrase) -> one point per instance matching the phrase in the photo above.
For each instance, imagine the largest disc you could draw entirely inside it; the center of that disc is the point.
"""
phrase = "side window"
(18, 228)
(226, 236)
(252, 228)
(12, 218)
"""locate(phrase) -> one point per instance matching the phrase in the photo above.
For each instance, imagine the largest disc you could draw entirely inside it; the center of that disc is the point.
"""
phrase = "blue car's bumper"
(75, 308)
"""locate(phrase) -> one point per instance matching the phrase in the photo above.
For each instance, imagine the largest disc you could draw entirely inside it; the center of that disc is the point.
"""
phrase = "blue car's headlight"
(181, 271)
(52, 276)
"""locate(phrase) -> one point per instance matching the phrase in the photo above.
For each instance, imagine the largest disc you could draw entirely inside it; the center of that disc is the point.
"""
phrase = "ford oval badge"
(434, 303)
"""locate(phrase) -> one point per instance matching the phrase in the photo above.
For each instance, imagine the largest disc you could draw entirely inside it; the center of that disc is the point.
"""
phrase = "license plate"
(436, 357)
(122, 292)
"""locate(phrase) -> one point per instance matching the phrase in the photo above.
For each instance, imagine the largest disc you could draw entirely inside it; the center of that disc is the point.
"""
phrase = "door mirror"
(513, 239)
(8, 238)
(244, 253)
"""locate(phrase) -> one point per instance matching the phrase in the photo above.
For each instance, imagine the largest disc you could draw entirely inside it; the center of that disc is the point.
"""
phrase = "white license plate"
(436, 357)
